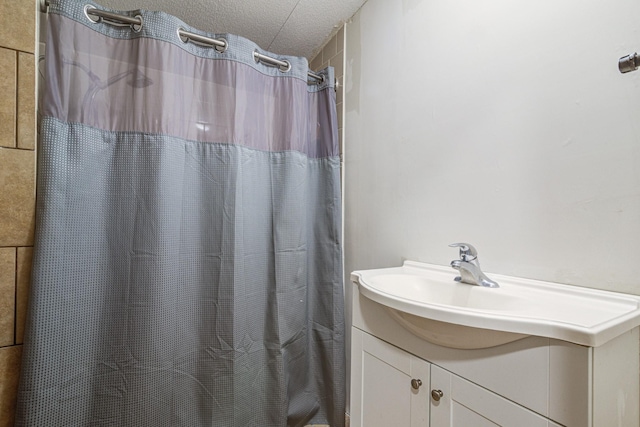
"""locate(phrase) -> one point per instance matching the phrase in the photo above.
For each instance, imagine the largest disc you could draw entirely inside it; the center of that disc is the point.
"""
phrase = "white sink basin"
(427, 301)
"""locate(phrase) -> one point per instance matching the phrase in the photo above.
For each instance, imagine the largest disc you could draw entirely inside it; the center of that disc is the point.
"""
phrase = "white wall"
(503, 123)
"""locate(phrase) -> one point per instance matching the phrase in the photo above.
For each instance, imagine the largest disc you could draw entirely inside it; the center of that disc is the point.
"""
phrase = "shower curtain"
(187, 269)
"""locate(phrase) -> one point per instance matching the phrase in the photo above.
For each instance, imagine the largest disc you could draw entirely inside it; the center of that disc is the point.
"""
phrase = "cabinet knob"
(436, 395)
(415, 384)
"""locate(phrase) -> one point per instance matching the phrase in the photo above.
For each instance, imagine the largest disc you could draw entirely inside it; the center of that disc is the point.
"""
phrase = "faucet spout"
(469, 267)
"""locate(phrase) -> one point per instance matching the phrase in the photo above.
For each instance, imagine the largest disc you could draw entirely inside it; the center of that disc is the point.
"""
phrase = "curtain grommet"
(283, 66)
(186, 36)
(92, 18)
(136, 28)
(222, 49)
(183, 38)
(285, 69)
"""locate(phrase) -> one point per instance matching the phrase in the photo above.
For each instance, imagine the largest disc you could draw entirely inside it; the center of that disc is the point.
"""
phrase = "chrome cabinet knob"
(437, 395)
(415, 384)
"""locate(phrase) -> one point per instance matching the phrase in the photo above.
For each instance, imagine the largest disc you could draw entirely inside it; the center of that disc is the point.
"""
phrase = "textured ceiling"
(286, 27)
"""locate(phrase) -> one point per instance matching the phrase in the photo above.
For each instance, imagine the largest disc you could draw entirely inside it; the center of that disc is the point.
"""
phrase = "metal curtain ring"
(183, 38)
(283, 66)
(285, 69)
(92, 18)
(220, 44)
(137, 27)
(112, 18)
(222, 49)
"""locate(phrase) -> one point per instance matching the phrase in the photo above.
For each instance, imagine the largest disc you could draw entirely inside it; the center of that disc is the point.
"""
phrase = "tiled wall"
(332, 54)
(17, 187)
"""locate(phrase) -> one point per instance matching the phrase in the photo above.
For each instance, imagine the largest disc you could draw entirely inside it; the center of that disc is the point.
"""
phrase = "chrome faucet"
(469, 267)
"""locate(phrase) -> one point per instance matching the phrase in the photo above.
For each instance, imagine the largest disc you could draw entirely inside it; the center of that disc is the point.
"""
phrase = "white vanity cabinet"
(400, 389)
(464, 404)
(532, 382)
(394, 385)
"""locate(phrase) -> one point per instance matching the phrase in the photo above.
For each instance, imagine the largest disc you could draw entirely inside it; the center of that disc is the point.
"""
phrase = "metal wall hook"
(629, 63)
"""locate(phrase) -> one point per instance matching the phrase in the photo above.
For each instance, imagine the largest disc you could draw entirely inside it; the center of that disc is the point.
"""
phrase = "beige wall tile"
(340, 40)
(7, 295)
(330, 49)
(17, 197)
(337, 62)
(316, 62)
(8, 65)
(23, 285)
(26, 101)
(10, 358)
(18, 24)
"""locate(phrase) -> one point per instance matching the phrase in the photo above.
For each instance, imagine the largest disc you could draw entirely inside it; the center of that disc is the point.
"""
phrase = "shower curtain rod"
(219, 44)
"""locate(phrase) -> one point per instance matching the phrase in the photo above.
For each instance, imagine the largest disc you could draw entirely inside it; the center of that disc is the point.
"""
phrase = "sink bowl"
(426, 300)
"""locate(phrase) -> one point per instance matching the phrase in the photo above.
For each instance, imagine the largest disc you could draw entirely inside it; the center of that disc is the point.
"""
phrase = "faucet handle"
(467, 252)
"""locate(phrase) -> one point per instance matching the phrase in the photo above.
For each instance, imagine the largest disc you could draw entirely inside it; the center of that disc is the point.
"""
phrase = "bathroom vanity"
(405, 373)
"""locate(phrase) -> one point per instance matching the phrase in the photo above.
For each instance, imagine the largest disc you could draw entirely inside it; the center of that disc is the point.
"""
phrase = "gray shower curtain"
(187, 268)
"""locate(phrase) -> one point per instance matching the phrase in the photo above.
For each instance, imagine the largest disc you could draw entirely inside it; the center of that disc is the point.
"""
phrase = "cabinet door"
(465, 404)
(382, 393)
